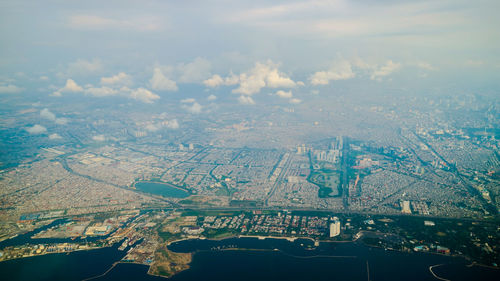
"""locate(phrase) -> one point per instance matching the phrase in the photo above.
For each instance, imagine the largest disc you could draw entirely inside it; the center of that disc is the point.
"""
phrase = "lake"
(160, 188)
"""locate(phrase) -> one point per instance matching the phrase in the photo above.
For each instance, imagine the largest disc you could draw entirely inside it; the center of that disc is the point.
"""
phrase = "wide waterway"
(161, 188)
(269, 259)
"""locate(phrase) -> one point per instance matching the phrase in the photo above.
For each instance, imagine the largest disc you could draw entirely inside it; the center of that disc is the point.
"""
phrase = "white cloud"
(121, 79)
(195, 71)
(55, 137)
(140, 94)
(340, 70)
(214, 81)
(232, 79)
(70, 87)
(47, 114)
(10, 89)
(262, 75)
(173, 124)
(385, 70)
(246, 100)
(144, 95)
(188, 100)
(250, 84)
(278, 80)
(101, 91)
(99, 138)
(283, 94)
(43, 78)
(295, 101)
(194, 108)
(211, 98)
(36, 129)
(166, 77)
(161, 83)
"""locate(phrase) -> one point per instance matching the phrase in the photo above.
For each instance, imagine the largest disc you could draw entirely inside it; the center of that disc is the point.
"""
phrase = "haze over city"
(161, 136)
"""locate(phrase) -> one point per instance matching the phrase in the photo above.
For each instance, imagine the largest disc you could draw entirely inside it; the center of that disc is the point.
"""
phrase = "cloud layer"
(10, 89)
(113, 87)
(263, 74)
(47, 114)
(160, 82)
(36, 129)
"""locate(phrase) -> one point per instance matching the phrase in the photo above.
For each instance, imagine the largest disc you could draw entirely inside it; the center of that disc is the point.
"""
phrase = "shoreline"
(260, 238)
(53, 253)
(292, 239)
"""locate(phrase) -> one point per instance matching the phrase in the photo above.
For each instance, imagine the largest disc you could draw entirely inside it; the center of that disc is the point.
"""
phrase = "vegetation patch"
(327, 180)
(168, 263)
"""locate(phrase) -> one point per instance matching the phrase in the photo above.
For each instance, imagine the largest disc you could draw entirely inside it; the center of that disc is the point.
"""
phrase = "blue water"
(275, 259)
(26, 237)
(162, 189)
(74, 266)
(271, 259)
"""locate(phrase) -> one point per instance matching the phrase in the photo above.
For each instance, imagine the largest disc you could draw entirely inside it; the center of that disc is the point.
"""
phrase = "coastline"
(248, 247)
(53, 253)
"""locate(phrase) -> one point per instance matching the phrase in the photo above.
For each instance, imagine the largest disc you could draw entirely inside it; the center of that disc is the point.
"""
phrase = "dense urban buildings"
(165, 136)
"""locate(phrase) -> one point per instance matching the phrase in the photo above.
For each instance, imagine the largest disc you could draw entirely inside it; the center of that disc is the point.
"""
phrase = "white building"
(335, 227)
(406, 207)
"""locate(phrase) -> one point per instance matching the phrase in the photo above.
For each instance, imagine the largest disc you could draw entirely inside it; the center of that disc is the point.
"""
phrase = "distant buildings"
(140, 134)
(302, 149)
(335, 227)
(405, 207)
(429, 223)
(328, 156)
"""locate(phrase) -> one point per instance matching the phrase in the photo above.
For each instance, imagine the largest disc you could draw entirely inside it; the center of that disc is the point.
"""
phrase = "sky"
(142, 49)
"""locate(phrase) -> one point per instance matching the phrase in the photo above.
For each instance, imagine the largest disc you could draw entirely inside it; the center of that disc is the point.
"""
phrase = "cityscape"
(264, 141)
(155, 187)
